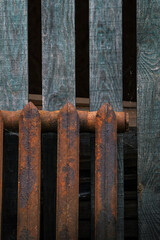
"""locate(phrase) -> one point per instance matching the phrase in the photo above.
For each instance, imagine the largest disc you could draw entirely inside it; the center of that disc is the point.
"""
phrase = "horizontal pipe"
(49, 120)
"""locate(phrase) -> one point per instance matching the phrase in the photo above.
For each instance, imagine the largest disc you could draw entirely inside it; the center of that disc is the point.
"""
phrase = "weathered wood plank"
(105, 53)
(58, 53)
(106, 74)
(13, 55)
(58, 83)
(148, 117)
(13, 96)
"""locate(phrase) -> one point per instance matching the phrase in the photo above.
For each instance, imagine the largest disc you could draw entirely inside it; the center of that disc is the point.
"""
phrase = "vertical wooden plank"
(105, 53)
(148, 117)
(1, 170)
(106, 76)
(106, 174)
(58, 53)
(29, 174)
(13, 55)
(67, 205)
(13, 96)
(58, 86)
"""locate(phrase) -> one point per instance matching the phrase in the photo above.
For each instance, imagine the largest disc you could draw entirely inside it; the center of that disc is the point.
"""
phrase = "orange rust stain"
(109, 118)
(115, 132)
(29, 165)
(67, 174)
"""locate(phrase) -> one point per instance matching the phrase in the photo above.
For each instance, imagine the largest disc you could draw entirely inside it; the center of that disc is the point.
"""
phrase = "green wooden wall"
(106, 76)
(148, 117)
(13, 54)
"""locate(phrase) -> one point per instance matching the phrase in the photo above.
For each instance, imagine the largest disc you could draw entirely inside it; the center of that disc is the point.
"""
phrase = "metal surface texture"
(67, 174)
(1, 168)
(29, 174)
(105, 174)
(67, 122)
(49, 120)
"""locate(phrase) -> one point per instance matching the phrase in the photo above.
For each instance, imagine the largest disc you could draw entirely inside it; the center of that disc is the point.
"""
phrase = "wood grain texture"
(106, 73)
(148, 117)
(13, 55)
(58, 53)
(105, 53)
(58, 87)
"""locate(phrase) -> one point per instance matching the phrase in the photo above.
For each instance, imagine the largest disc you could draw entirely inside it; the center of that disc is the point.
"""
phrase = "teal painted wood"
(148, 118)
(58, 87)
(106, 76)
(13, 54)
(13, 96)
(58, 53)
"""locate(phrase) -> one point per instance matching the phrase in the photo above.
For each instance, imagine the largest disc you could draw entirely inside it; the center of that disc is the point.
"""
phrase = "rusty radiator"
(68, 122)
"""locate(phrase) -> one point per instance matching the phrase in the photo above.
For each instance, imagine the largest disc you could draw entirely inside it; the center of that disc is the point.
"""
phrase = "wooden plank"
(106, 75)
(105, 53)
(14, 54)
(58, 83)
(58, 53)
(148, 117)
(80, 102)
(36, 99)
(29, 174)
(13, 96)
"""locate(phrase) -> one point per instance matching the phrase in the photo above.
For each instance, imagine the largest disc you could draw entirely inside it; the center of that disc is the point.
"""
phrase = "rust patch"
(105, 123)
(67, 174)
(69, 178)
(29, 172)
(49, 120)
(105, 173)
(27, 180)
